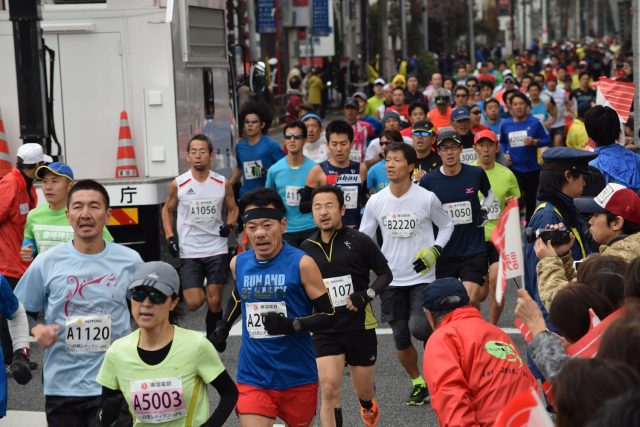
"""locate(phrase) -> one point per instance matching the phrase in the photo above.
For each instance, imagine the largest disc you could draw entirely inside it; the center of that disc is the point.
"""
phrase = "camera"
(555, 236)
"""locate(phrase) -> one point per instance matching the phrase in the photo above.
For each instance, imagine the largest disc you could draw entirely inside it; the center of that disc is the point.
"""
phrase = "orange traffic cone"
(5, 158)
(126, 164)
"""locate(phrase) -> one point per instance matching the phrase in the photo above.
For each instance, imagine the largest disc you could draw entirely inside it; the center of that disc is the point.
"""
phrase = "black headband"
(262, 213)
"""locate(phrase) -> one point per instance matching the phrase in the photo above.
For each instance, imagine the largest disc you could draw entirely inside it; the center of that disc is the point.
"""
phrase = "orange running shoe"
(370, 416)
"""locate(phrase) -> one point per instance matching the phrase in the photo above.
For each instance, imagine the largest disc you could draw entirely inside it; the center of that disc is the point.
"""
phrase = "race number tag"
(157, 401)
(202, 210)
(292, 196)
(401, 224)
(254, 317)
(87, 333)
(252, 169)
(494, 211)
(468, 156)
(339, 289)
(459, 212)
(350, 196)
(516, 139)
(355, 156)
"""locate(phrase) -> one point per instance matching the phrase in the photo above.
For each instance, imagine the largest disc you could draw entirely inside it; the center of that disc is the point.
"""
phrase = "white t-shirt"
(406, 223)
(560, 98)
(373, 150)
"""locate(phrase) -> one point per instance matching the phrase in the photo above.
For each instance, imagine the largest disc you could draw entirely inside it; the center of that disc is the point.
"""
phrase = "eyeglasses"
(461, 95)
(251, 121)
(421, 133)
(294, 136)
(140, 294)
(472, 86)
(448, 148)
(442, 98)
(475, 112)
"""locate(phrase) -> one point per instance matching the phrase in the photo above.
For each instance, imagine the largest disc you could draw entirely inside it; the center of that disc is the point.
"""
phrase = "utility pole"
(545, 24)
(472, 41)
(403, 28)
(425, 25)
(386, 57)
(254, 55)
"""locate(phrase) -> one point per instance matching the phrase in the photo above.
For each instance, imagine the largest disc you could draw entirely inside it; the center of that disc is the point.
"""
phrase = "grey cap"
(158, 275)
(360, 95)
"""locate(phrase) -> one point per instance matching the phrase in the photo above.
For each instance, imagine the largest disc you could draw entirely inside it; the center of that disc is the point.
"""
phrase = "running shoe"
(370, 416)
(419, 395)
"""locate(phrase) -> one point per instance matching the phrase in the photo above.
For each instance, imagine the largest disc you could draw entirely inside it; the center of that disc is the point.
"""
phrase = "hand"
(419, 174)
(527, 311)
(174, 247)
(225, 230)
(20, 366)
(530, 141)
(357, 301)
(277, 324)
(45, 335)
(426, 259)
(507, 157)
(544, 249)
(483, 217)
(219, 336)
(26, 253)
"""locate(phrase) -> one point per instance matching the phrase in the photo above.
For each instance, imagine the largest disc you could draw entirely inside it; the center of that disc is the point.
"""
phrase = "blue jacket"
(524, 158)
(618, 165)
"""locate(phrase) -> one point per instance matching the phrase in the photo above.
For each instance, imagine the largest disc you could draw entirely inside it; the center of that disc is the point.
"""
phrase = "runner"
(441, 115)
(162, 370)
(461, 125)
(458, 185)
(345, 257)
(81, 287)
(377, 175)
(505, 186)
(390, 122)
(280, 293)
(424, 135)
(288, 177)
(406, 214)
(199, 195)
(559, 96)
(350, 176)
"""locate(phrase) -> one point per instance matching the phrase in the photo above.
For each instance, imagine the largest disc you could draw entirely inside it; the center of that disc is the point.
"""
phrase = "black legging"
(528, 182)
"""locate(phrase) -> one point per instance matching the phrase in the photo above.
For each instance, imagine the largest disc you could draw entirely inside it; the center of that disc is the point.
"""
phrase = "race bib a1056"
(202, 210)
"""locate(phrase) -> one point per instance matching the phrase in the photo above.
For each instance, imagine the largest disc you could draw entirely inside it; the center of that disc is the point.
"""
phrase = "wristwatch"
(371, 293)
(297, 325)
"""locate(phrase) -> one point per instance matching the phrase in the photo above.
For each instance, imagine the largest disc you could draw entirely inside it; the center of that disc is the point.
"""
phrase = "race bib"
(252, 169)
(157, 401)
(516, 139)
(459, 212)
(468, 156)
(402, 224)
(350, 196)
(339, 289)
(355, 156)
(292, 197)
(494, 211)
(254, 317)
(87, 333)
(202, 210)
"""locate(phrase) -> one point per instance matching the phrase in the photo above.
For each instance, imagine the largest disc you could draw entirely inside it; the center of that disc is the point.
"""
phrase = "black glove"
(483, 216)
(20, 366)
(219, 336)
(277, 324)
(174, 248)
(224, 230)
(360, 299)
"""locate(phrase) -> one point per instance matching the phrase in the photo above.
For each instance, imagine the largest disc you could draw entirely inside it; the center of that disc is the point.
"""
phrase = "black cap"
(448, 135)
(567, 158)
(436, 292)
(351, 102)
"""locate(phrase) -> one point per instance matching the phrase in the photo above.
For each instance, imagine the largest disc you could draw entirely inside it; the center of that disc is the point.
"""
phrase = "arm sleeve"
(548, 354)
(19, 328)
(112, 401)
(368, 224)
(488, 200)
(379, 265)
(485, 187)
(323, 316)
(551, 278)
(233, 309)
(305, 200)
(442, 220)
(228, 392)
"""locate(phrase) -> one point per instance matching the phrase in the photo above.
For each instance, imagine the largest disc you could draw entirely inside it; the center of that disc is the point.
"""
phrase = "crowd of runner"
(408, 185)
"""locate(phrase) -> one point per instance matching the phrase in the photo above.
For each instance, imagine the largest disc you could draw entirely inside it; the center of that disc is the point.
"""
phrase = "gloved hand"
(483, 217)
(224, 230)
(426, 259)
(219, 335)
(359, 299)
(20, 366)
(258, 171)
(174, 248)
(277, 324)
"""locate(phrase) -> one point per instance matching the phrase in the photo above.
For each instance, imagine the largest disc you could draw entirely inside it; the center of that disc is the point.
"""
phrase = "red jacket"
(15, 204)
(472, 369)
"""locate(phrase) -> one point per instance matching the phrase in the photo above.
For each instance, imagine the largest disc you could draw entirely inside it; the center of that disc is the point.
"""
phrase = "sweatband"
(262, 213)
(311, 116)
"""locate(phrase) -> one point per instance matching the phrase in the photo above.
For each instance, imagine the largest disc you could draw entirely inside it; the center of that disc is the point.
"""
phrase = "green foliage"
(427, 65)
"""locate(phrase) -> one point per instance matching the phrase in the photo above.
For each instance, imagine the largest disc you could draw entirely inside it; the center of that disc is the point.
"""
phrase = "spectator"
(632, 280)
(621, 340)
(620, 411)
(294, 99)
(314, 89)
(378, 98)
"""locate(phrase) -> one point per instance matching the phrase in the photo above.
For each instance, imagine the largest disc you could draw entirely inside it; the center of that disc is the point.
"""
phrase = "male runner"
(81, 286)
(315, 146)
(345, 257)
(406, 214)
(350, 176)
(281, 296)
(288, 177)
(199, 195)
(424, 136)
(505, 186)
(457, 185)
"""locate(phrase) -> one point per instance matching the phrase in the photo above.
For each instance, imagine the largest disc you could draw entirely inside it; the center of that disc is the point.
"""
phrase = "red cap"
(485, 134)
(615, 199)
(551, 78)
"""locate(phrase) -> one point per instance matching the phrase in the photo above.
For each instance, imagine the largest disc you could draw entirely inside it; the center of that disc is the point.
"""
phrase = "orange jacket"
(472, 369)
(15, 204)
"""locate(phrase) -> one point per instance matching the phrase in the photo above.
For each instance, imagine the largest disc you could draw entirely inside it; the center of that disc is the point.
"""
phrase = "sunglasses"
(421, 133)
(140, 294)
(251, 121)
(294, 136)
(475, 112)
(472, 86)
(442, 98)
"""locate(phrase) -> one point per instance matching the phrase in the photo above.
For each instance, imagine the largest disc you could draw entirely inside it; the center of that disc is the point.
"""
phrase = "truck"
(79, 64)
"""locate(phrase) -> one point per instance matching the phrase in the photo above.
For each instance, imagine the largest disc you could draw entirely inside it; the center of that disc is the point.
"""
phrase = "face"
(87, 214)
(601, 230)
(519, 70)
(473, 86)
(461, 127)
(327, 213)
(422, 143)
(391, 124)
(492, 111)
(397, 167)
(486, 92)
(293, 140)
(462, 72)
(398, 97)
(198, 155)
(551, 85)
(525, 83)
(436, 80)
(518, 107)
(252, 125)
(146, 314)
(339, 147)
(265, 235)
(461, 98)
(412, 84)
(574, 187)
(362, 104)
(55, 188)
(486, 151)
(448, 84)
(534, 93)
(562, 73)
(509, 84)
(418, 114)
(314, 130)
(350, 114)
(449, 152)
(475, 114)
(377, 90)
(584, 81)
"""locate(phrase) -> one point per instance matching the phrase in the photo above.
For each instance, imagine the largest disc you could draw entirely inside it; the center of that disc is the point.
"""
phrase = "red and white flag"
(587, 346)
(617, 95)
(507, 238)
(524, 410)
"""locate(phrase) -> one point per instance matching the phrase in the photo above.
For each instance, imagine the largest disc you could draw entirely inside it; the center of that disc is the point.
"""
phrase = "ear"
(174, 303)
(617, 224)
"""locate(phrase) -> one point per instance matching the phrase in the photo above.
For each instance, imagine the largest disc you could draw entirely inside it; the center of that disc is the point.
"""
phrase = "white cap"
(32, 153)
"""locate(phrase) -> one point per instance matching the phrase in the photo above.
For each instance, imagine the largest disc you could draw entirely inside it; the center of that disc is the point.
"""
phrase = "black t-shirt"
(154, 357)
(345, 263)
(429, 163)
(584, 98)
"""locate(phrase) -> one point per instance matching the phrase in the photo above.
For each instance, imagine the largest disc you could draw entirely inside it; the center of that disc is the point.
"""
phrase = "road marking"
(22, 418)
(236, 331)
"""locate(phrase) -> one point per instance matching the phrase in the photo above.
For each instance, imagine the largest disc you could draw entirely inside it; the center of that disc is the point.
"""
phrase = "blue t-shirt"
(8, 306)
(540, 111)
(65, 284)
(524, 158)
(459, 197)
(377, 176)
(287, 181)
(255, 160)
(273, 362)
(495, 127)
